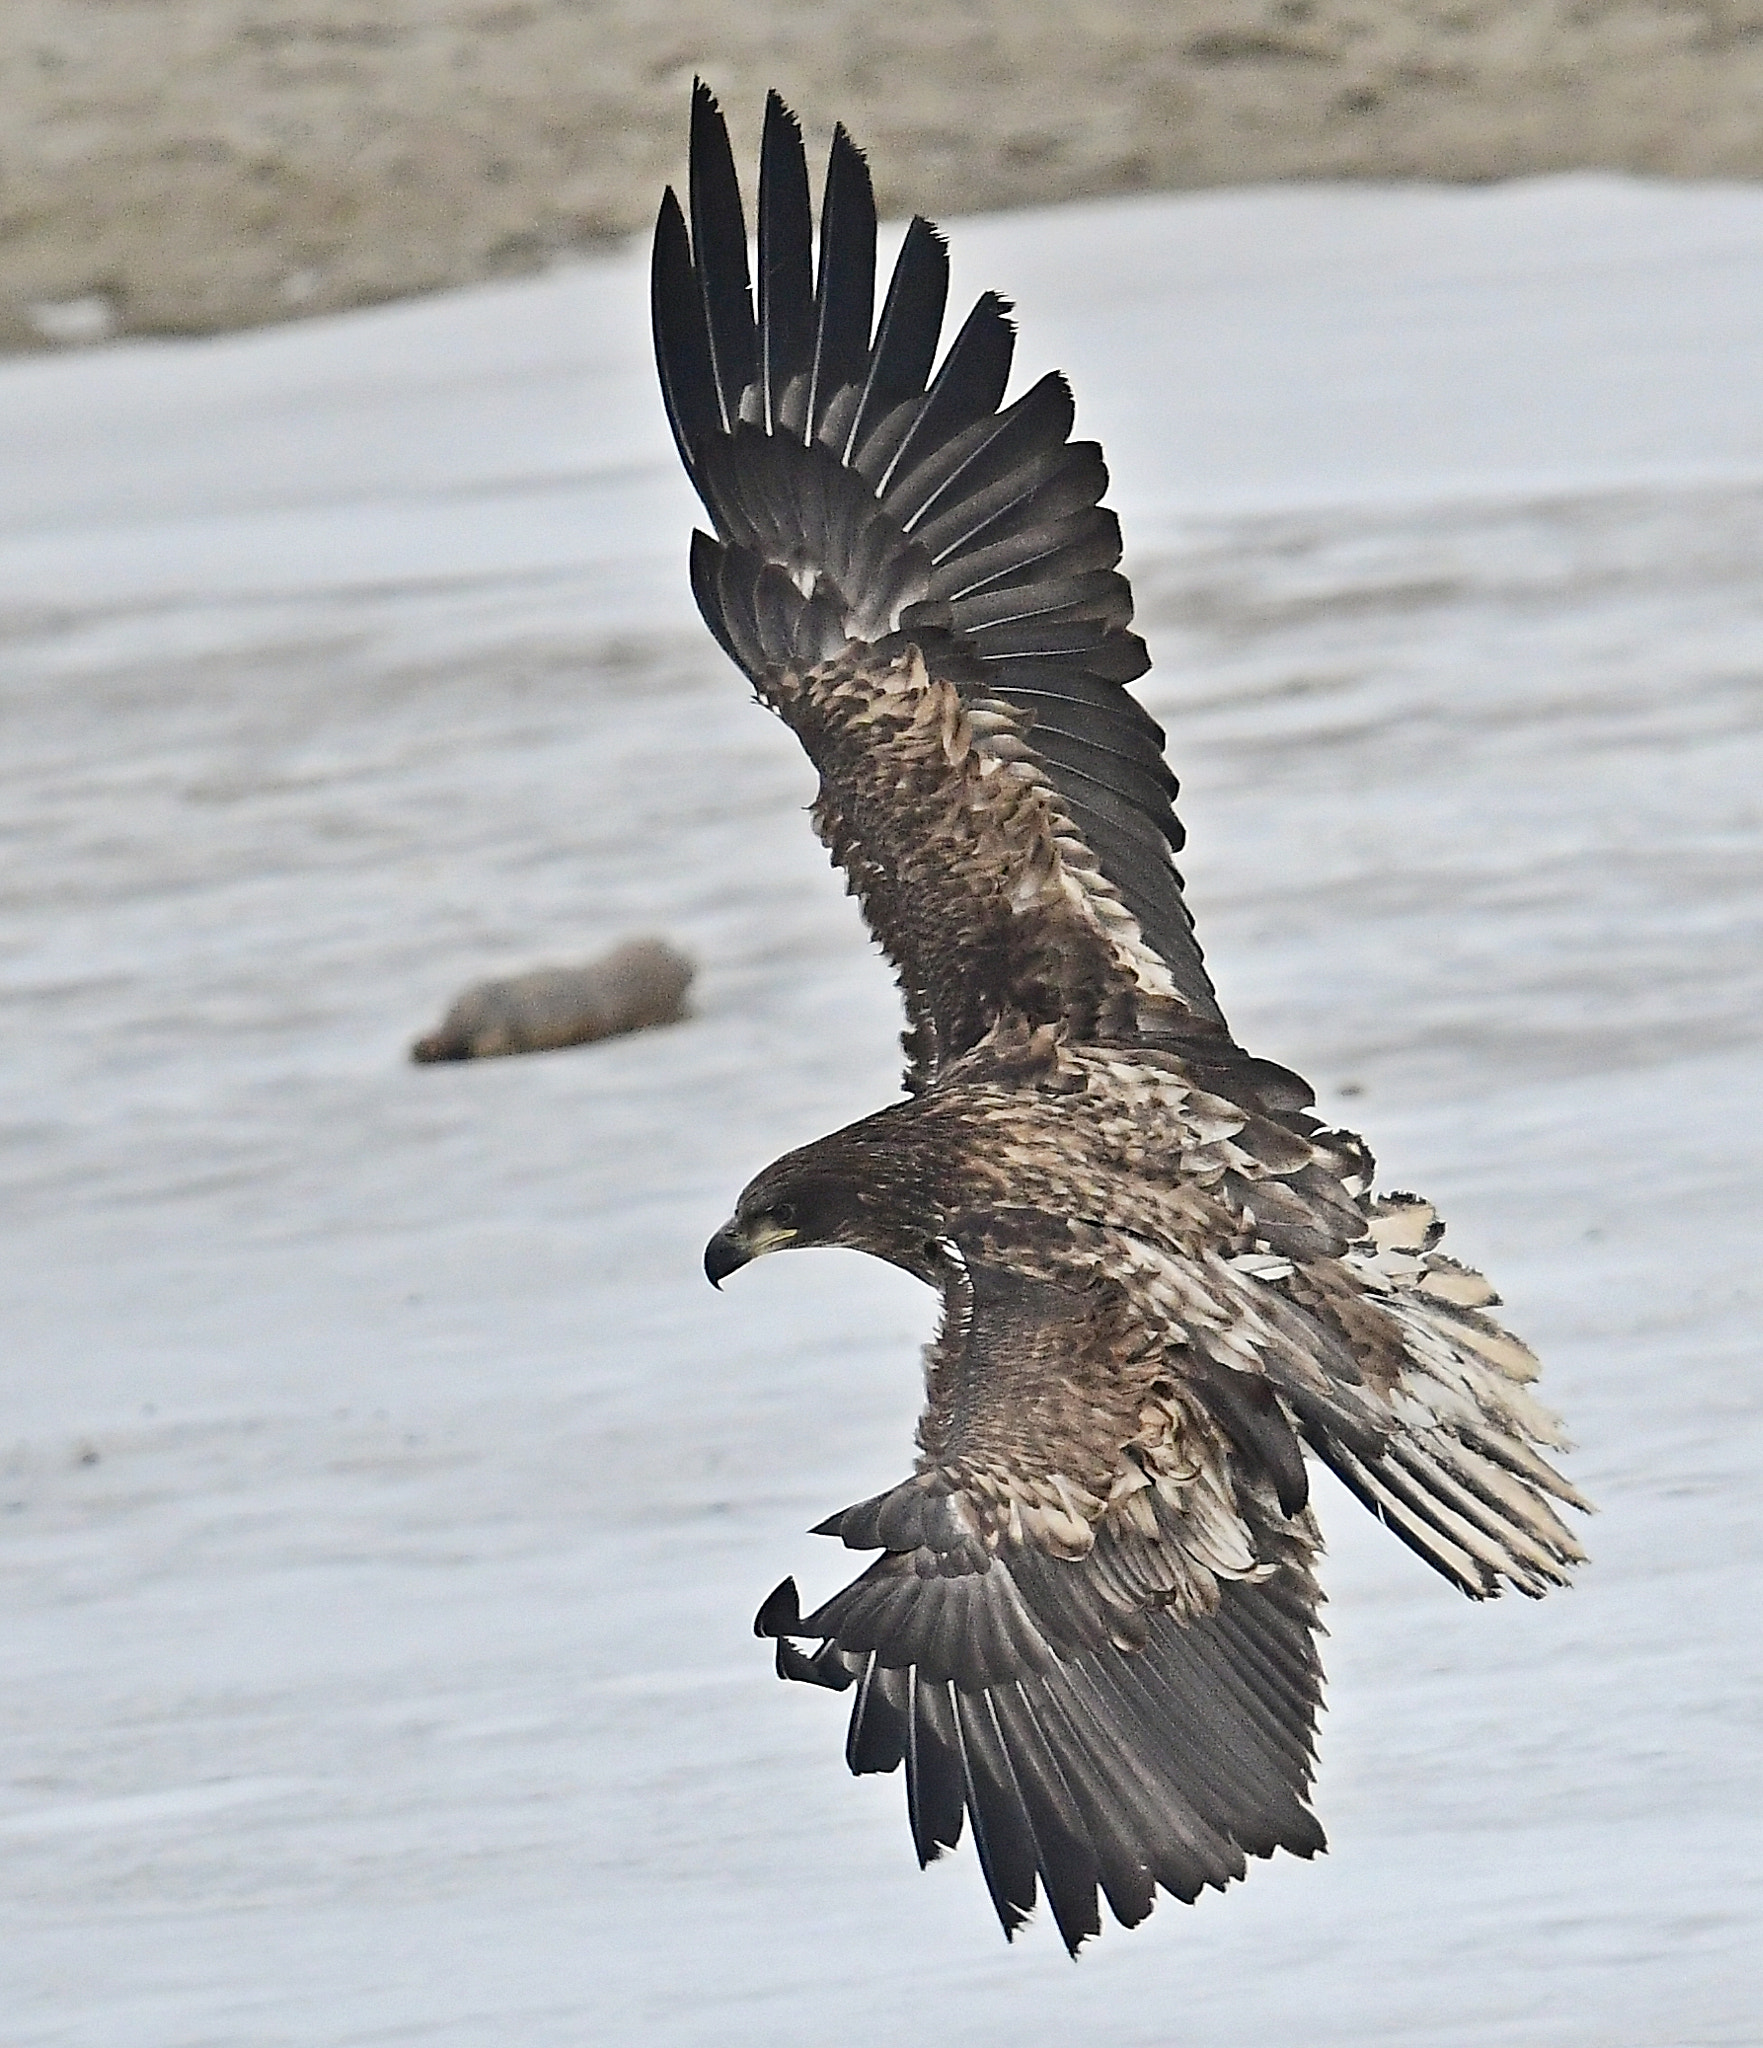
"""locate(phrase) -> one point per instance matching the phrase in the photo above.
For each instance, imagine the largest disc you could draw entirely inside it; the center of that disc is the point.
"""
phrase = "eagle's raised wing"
(1115, 1700)
(922, 582)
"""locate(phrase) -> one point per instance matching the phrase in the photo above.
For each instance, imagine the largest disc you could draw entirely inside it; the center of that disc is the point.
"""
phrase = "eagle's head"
(830, 1193)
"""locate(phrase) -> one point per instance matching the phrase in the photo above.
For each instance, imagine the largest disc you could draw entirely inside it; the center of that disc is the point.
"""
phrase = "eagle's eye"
(784, 1213)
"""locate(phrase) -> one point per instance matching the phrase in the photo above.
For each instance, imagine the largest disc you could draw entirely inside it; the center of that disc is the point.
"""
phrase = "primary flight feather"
(1090, 1631)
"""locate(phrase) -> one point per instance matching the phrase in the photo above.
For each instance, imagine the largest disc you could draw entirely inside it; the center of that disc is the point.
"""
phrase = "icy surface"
(385, 1495)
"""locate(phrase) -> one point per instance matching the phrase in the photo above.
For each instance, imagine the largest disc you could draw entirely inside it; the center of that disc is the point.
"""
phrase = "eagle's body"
(1092, 1626)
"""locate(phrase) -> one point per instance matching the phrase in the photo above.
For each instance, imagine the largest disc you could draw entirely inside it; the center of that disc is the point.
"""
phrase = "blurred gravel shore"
(180, 166)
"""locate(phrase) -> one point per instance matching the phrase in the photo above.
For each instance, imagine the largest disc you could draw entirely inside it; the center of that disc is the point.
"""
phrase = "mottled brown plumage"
(1090, 1631)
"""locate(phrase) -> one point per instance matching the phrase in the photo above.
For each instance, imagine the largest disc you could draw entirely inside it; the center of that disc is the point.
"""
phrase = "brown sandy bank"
(188, 165)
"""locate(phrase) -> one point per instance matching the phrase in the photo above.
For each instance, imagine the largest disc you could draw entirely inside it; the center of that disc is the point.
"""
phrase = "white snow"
(385, 1495)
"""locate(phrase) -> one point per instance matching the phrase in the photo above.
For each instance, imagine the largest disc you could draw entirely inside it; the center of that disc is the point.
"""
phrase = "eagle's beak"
(734, 1247)
(726, 1253)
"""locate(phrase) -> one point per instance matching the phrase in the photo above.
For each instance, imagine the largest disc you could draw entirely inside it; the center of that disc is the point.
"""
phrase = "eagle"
(1088, 1630)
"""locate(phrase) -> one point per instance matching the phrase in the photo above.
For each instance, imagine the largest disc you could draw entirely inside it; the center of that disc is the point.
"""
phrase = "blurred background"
(384, 1497)
(177, 166)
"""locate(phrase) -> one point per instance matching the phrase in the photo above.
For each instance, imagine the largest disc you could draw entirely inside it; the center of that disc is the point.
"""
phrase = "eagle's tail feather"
(1448, 1459)
(1462, 1510)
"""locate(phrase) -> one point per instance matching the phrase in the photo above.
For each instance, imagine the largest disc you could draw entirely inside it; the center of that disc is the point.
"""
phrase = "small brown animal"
(640, 983)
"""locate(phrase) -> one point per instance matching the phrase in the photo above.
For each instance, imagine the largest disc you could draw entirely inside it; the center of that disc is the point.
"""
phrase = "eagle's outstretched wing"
(1092, 1625)
(1116, 1701)
(922, 582)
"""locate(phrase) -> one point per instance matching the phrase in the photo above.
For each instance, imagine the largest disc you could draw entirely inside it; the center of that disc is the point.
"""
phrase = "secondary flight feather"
(1089, 1634)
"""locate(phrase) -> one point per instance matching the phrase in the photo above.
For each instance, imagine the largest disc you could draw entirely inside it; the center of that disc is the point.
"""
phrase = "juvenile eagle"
(1091, 1628)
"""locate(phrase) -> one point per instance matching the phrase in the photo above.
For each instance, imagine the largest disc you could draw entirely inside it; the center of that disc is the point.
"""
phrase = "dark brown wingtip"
(777, 108)
(781, 1612)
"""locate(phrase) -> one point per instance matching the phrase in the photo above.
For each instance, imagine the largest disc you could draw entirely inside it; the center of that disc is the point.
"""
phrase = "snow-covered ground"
(385, 1495)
